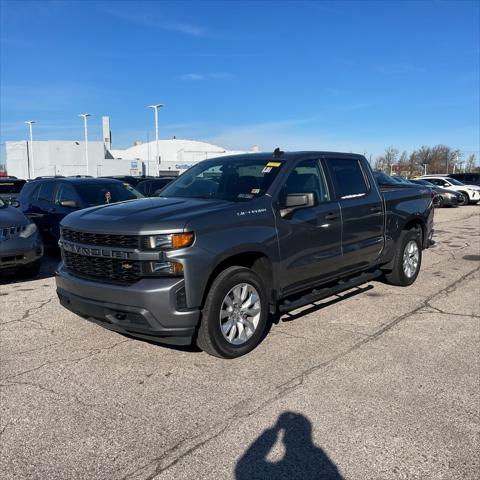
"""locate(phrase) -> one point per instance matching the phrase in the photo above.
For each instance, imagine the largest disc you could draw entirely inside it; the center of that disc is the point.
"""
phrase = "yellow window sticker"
(273, 164)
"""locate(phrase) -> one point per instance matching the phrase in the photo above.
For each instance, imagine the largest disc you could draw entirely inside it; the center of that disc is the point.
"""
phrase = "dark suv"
(46, 201)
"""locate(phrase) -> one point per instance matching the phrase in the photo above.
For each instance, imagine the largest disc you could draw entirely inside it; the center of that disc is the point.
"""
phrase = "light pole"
(30, 156)
(157, 157)
(85, 116)
(424, 168)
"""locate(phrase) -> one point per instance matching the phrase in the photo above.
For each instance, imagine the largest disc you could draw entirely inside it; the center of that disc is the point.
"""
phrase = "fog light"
(165, 268)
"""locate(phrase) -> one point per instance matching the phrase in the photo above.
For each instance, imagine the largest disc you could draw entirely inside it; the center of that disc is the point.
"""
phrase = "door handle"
(376, 209)
(331, 216)
(51, 210)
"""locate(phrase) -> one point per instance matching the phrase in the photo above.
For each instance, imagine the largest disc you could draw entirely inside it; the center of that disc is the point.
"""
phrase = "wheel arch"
(417, 223)
(256, 260)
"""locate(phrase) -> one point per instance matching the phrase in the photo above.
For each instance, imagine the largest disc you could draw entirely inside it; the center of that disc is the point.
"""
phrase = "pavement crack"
(92, 353)
(29, 313)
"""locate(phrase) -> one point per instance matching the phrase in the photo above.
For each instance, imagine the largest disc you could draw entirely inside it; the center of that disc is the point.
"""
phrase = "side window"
(46, 191)
(308, 177)
(348, 177)
(66, 192)
(34, 194)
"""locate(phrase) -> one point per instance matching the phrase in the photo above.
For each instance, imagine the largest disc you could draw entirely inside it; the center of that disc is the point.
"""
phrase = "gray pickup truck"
(235, 241)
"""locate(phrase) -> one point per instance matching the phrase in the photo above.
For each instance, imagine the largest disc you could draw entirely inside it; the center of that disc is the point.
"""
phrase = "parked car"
(21, 246)
(471, 193)
(130, 179)
(214, 255)
(10, 188)
(467, 178)
(444, 197)
(152, 186)
(47, 200)
(386, 180)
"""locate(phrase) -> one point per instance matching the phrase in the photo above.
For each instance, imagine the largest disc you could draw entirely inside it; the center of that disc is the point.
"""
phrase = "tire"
(246, 330)
(438, 202)
(464, 200)
(403, 274)
(31, 270)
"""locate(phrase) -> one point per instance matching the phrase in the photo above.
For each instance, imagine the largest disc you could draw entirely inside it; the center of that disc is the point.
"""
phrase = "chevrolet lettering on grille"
(94, 251)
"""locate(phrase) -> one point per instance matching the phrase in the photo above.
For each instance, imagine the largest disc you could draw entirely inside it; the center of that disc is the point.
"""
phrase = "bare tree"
(387, 160)
(470, 164)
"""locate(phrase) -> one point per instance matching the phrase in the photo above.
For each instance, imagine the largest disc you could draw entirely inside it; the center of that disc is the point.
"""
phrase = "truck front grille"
(109, 269)
(101, 239)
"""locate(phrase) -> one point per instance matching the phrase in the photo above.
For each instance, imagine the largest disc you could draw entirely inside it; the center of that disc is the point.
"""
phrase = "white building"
(67, 157)
(63, 157)
(175, 155)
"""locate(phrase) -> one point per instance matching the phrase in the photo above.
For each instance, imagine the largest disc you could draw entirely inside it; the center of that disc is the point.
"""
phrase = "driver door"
(309, 238)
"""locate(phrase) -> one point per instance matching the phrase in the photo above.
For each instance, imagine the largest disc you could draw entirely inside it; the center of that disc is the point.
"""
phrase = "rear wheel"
(438, 201)
(235, 314)
(408, 259)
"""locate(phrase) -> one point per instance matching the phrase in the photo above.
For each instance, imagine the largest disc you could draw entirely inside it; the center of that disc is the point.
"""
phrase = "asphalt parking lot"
(378, 383)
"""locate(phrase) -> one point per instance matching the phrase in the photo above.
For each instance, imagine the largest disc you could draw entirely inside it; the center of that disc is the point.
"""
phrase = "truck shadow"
(273, 320)
(288, 317)
(302, 459)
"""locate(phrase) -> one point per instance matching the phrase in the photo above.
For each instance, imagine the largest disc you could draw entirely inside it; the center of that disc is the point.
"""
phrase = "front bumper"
(18, 252)
(147, 309)
(474, 196)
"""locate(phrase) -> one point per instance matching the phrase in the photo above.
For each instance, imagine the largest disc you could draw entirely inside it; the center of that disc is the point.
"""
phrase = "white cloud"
(206, 76)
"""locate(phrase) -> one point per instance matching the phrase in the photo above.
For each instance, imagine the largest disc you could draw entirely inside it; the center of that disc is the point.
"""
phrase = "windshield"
(99, 194)
(454, 182)
(230, 179)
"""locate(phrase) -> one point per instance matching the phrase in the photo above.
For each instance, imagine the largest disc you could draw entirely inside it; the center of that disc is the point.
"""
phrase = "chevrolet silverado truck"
(236, 241)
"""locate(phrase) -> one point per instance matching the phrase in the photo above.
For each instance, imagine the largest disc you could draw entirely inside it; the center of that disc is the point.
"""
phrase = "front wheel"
(463, 199)
(408, 259)
(235, 314)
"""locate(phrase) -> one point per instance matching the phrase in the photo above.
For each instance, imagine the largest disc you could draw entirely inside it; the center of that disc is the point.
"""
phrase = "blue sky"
(354, 76)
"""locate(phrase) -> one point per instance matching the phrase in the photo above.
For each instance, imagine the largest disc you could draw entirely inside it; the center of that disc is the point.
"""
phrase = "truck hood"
(11, 217)
(142, 216)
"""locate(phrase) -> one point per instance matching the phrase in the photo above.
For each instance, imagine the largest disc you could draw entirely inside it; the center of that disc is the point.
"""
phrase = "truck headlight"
(29, 230)
(170, 241)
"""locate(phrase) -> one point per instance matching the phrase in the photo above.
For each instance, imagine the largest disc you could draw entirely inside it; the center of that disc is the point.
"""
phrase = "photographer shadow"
(302, 460)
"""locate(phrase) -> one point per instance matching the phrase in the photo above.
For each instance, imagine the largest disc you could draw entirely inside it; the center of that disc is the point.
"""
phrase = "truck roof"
(290, 156)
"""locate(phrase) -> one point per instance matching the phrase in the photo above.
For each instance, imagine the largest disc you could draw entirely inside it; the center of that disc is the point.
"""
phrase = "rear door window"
(45, 193)
(66, 192)
(348, 177)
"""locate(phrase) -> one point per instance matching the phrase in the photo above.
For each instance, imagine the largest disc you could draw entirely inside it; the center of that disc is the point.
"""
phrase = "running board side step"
(321, 293)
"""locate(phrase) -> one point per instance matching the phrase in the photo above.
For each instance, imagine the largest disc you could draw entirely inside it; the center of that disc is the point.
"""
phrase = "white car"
(470, 192)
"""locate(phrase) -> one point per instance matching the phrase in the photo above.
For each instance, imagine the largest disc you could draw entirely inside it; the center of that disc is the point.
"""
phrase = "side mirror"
(14, 203)
(295, 201)
(69, 203)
